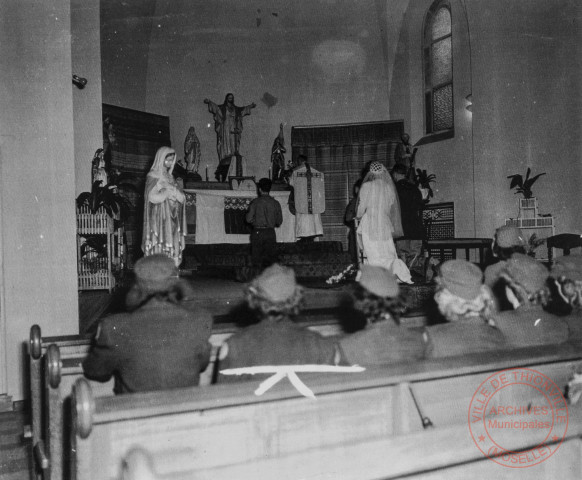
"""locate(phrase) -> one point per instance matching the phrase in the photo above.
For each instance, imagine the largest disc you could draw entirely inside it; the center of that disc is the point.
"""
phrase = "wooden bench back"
(55, 364)
(428, 455)
(225, 431)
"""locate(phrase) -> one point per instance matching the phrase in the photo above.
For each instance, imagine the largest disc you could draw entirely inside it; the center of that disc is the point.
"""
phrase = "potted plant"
(423, 181)
(523, 186)
(109, 197)
(111, 200)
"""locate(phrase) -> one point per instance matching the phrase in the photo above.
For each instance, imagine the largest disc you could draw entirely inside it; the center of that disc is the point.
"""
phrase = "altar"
(217, 216)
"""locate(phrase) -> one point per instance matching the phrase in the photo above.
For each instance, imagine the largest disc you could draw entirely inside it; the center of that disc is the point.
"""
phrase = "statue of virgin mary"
(164, 217)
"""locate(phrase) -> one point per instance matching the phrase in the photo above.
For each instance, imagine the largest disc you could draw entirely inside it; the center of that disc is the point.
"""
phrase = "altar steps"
(309, 260)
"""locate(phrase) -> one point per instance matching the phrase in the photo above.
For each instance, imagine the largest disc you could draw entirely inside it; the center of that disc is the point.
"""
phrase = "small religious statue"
(192, 151)
(228, 126)
(278, 157)
(405, 156)
(98, 169)
(109, 141)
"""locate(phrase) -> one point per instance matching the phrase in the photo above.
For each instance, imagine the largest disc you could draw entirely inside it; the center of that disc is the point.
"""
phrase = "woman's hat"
(155, 273)
(276, 283)
(526, 272)
(379, 281)
(509, 236)
(569, 266)
(462, 278)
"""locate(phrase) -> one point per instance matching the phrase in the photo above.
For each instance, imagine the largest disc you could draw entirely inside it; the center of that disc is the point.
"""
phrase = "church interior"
(486, 90)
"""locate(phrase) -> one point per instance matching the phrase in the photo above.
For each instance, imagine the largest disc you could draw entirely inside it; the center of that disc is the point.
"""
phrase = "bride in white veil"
(379, 215)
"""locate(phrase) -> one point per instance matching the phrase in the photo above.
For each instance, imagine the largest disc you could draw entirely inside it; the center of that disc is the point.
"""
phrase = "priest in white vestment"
(378, 213)
(307, 201)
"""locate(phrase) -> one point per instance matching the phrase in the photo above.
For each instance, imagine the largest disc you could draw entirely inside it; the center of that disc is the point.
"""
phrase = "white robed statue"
(192, 151)
(378, 213)
(164, 216)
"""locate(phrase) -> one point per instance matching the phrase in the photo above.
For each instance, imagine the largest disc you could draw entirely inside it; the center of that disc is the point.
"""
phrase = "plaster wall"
(125, 43)
(302, 63)
(450, 160)
(37, 184)
(520, 61)
(527, 107)
(86, 63)
(340, 61)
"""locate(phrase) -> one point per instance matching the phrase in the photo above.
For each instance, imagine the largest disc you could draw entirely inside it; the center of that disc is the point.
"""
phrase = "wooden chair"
(563, 241)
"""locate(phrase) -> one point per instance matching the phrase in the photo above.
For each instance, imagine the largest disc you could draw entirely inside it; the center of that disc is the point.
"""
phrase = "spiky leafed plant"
(115, 202)
(523, 186)
(424, 180)
(110, 197)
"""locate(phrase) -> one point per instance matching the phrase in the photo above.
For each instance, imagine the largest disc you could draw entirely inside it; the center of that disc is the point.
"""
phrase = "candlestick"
(206, 172)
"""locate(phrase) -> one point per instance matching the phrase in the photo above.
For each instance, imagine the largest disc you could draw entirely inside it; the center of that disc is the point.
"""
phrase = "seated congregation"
(162, 342)
(172, 377)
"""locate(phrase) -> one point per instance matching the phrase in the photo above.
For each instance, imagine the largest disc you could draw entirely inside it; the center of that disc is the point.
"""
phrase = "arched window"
(437, 48)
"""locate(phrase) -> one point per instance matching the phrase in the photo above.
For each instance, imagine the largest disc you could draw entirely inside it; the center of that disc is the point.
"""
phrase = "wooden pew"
(55, 365)
(419, 456)
(363, 425)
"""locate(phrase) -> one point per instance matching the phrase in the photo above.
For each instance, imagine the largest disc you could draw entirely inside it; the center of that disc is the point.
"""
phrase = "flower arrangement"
(349, 273)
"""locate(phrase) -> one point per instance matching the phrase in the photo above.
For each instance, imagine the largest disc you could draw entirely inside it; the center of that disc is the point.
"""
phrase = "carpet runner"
(309, 260)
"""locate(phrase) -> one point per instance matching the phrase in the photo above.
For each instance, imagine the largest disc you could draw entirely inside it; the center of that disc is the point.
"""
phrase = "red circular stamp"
(518, 417)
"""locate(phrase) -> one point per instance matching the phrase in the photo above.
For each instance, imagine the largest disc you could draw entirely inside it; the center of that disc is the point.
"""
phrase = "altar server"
(307, 200)
(264, 215)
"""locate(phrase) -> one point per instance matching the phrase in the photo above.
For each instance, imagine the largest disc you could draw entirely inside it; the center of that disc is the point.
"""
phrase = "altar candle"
(206, 172)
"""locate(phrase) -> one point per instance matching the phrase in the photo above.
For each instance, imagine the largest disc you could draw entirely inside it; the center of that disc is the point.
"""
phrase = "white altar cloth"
(210, 217)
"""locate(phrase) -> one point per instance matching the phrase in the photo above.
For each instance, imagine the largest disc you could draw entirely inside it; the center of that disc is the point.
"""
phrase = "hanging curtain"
(341, 152)
(131, 139)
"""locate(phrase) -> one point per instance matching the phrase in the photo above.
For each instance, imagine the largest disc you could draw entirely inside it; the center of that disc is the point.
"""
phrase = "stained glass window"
(441, 24)
(438, 68)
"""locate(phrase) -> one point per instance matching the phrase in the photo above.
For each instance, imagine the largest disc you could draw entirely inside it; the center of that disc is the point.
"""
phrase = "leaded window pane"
(428, 111)
(442, 68)
(441, 24)
(427, 69)
(443, 108)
